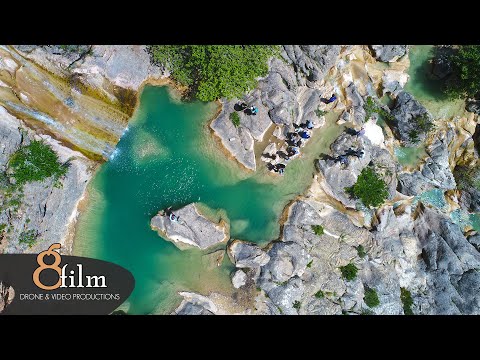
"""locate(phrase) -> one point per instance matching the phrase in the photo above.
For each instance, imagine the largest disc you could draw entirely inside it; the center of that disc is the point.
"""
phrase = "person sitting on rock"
(304, 135)
(309, 124)
(168, 212)
(243, 106)
(332, 99)
(299, 143)
(253, 110)
(342, 159)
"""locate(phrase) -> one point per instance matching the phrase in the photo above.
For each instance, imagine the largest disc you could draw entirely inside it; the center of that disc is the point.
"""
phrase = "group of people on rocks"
(294, 139)
(343, 159)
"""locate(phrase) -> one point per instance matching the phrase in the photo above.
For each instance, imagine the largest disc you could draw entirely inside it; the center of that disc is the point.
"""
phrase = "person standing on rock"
(332, 99)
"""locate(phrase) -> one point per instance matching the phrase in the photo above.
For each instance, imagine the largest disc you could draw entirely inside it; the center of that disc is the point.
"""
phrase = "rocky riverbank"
(404, 257)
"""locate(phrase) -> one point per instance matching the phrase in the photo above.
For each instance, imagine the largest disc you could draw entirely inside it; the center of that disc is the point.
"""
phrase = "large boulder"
(192, 229)
(435, 173)
(246, 255)
(195, 304)
(406, 111)
(389, 53)
(239, 279)
(452, 264)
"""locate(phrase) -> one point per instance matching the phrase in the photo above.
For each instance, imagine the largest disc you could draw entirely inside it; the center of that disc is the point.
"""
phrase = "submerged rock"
(195, 304)
(192, 229)
(389, 53)
(247, 255)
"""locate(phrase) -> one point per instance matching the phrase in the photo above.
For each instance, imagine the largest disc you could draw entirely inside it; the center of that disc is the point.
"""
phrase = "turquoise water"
(425, 89)
(168, 157)
(410, 156)
(433, 197)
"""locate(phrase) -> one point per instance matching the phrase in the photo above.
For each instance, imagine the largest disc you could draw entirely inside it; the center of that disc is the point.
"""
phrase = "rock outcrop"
(406, 110)
(239, 279)
(246, 255)
(192, 229)
(389, 53)
(45, 208)
(83, 96)
(286, 96)
(338, 176)
(195, 304)
(434, 173)
(7, 294)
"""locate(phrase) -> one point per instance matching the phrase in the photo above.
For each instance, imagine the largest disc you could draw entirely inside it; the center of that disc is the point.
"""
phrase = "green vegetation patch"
(407, 301)
(28, 237)
(320, 113)
(215, 71)
(370, 188)
(466, 68)
(318, 229)
(423, 124)
(35, 162)
(371, 107)
(296, 304)
(361, 251)
(319, 294)
(309, 265)
(349, 272)
(2, 228)
(235, 118)
(370, 297)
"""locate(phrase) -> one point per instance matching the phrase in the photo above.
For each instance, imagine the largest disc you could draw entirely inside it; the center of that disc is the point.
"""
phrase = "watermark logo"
(75, 279)
(51, 283)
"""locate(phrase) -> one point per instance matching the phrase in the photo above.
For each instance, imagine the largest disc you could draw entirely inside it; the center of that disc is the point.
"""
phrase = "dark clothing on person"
(304, 135)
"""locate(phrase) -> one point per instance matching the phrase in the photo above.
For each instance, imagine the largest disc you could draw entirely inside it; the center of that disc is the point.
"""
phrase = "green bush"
(349, 272)
(28, 237)
(361, 251)
(35, 162)
(370, 297)
(2, 227)
(318, 229)
(296, 304)
(320, 113)
(465, 81)
(371, 107)
(319, 294)
(423, 124)
(370, 188)
(235, 118)
(215, 71)
(407, 301)
(309, 265)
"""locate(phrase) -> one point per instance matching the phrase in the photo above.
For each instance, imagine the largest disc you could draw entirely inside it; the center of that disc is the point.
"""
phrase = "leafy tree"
(215, 71)
(370, 188)
(466, 68)
(370, 297)
(318, 229)
(296, 304)
(35, 162)
(349, 272)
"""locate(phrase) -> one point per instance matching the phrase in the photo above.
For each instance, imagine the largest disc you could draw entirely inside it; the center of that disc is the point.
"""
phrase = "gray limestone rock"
(7, 294)
(406, 112)
(435, 173)
(239, 279)
(45, 208)
(195, 304)
(246, 255)
(452, 264)
(389, 53)
(192, 229)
